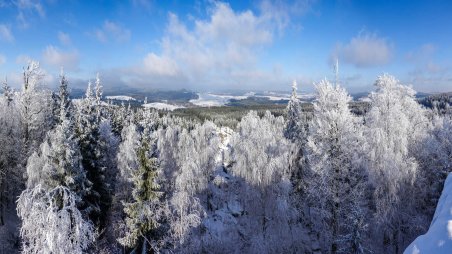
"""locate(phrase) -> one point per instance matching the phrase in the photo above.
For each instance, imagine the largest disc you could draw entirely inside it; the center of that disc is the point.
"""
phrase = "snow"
(163, 106)
(365, 99)
(120, 98)
(438, 238)
(214, 100)
(225, 134)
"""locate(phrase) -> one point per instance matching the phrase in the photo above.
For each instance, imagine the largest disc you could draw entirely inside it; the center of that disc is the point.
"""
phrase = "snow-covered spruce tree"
(296, 130)
(50, 207)
(98, 97)
(8, 93)
(337, 188)
(148, 118)
(139, 168)
(260, 157)
(11, 178)
(118, 118)
(296, 124)
(62, 101)
(396, 124)
(88, 124)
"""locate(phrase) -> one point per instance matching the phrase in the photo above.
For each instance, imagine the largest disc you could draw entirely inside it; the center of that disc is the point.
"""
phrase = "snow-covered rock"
(438, 238)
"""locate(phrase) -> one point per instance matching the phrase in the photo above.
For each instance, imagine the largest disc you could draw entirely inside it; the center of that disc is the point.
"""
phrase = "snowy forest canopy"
(84, 176)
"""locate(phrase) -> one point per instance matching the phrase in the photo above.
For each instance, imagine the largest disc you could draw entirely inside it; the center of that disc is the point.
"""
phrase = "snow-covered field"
(211, 99)
(161, 105)
(120, 98)
(438, 239)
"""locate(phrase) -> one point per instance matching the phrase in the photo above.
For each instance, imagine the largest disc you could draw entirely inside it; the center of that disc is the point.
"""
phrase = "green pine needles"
(141, 218)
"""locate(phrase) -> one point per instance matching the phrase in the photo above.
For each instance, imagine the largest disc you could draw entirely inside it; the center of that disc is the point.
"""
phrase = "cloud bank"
(365, 50)
(222, 50)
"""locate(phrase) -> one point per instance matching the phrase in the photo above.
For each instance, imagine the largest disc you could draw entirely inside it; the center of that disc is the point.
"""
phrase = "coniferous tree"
(142, 210)
(8, 93)
(296, 130)
(88, 131)
(296, 121)
(11, 178)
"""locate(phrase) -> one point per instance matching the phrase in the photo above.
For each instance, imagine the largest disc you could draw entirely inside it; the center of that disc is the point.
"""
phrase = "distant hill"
(179, 96)
(362, 95)
(441, 101)
(186, 97)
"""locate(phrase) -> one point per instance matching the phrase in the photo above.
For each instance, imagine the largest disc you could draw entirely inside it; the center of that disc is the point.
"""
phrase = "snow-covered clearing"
(213, 100)
(162, 106)
(120, 98)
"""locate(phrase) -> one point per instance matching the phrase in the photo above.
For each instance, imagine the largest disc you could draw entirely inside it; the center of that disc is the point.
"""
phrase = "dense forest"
(85, 176)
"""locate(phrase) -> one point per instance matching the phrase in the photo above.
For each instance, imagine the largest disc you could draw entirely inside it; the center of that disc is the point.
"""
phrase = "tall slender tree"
(335, 146)
(395, 124)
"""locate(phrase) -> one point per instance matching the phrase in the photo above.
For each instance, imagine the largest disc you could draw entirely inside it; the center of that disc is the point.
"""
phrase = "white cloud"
(281, 12)
(220, 51)
(365, 50)
(54, 56)
(163, 66)
(64, 38)
(5, 33)
(112, 31)
(26, 9)
(31, 5)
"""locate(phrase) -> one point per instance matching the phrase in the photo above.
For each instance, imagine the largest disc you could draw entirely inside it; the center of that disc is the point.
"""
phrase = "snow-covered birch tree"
(395, 124)
(334, 151)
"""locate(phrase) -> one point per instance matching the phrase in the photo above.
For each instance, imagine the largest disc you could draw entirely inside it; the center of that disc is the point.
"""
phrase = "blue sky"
(210, 45)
